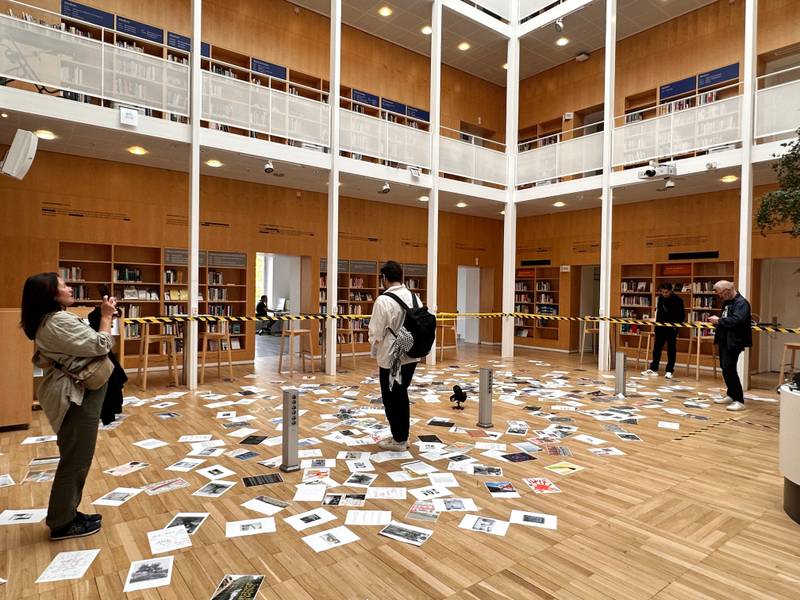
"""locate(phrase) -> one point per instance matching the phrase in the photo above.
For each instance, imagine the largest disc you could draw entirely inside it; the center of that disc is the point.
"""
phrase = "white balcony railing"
(366, 135)
(680, 131)
(529, 7)
(474, 158)
(240, 104)
(46, 56)
(560, 158)
(499, 8)
(778, 104)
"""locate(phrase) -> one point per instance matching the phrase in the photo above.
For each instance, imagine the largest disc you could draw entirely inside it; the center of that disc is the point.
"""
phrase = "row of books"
(215, 294)
(127, 274)
(71, 273)
(546, 299)
(521, 286)
(632, 285)
(173, 276)
(544, 286)
(133, 293)
(636, 300)
(215, 278)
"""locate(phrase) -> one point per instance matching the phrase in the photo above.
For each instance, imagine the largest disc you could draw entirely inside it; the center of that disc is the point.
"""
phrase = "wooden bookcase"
(153, 281)
(692, 280)
(537, 290)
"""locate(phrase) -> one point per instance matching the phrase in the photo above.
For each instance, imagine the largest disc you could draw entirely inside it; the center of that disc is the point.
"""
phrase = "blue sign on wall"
(391, 105)
(140, 30)
(728, 73)
(418, 113)
(87, 13)
(677, 88)
(267, 68)
(365, 98)
(178, 41)
(205, 49)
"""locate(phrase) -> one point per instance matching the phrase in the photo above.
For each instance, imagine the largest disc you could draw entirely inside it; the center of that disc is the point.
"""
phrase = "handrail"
(473, 137)
(558, 134)
(271, 78)
(762, 78)
(381, 110)
(658, 107)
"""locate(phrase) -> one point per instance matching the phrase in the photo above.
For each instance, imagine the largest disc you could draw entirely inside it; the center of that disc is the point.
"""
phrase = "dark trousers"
(727, 362)
(76, 442)
(668, 335)
(395, 400)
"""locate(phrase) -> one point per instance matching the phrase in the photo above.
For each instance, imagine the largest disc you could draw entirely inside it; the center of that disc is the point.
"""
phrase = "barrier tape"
(449, 317)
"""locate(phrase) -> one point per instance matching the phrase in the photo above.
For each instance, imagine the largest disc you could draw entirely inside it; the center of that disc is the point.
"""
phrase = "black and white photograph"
(22, 517)
(149, 573)
(407, 534)
(215, 472)
(486, 471)
(531, 519)
(360, 479)
(117, 497)
(484, 525)
(191, 521)
(344, 500)
(310, 519)
(249, 527)
(238, 587)
(325, 540)
(214, 489)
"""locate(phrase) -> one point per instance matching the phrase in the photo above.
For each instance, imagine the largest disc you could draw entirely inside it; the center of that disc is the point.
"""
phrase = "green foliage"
(782, 206)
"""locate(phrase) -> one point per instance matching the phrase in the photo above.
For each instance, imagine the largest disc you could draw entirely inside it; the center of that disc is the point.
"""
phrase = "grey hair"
(724, 284)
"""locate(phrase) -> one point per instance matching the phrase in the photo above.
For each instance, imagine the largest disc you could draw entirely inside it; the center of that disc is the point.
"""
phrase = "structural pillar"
(433, 195)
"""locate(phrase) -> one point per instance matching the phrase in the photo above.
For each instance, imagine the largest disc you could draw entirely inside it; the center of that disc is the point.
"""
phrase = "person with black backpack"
(400, 333)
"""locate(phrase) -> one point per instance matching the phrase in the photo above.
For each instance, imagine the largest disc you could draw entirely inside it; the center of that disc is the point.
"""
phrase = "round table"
(789, 453)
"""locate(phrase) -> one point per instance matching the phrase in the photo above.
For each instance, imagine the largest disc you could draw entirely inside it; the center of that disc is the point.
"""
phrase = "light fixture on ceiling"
(137, 150)
(464, 46)
(461, 205)
(559, 204)
(423, 198)
(562, 41)
(582, 57)
(385, 11)
(505, 66)
(502, 212)
(4, 115)
(559, 25)
(729, 179)
(427, 30)
(44, 134)
(214, 163)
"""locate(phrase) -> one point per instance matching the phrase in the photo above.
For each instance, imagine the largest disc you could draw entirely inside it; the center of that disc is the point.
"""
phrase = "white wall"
(780, 302)
(468, 299)
(590, 296)
(285, 278)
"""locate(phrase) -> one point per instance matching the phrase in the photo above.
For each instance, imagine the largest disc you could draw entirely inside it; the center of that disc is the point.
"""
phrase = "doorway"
(468, 299)
(780, 304)
(278, 277)
(590, 300)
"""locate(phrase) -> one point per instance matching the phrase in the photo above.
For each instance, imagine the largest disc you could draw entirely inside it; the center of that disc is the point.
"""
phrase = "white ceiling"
(107, 144)
(585, 29)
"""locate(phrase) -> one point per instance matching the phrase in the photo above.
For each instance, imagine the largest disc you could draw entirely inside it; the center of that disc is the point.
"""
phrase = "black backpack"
(420, 323)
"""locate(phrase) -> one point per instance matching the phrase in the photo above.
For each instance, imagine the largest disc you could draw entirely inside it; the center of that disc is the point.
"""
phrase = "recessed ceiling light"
(505, 66)
(423, 198)
(214, 163)
(385, 11)
(427, 30)
(562, 41)
(137, 150)
(44, 134)
(502, 212)
(559, 204)
(464, 46)
(461, 205)
(4, 115)
(729, 179)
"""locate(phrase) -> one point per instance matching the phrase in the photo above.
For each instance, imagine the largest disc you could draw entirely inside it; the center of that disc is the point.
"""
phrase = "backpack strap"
(400, 302)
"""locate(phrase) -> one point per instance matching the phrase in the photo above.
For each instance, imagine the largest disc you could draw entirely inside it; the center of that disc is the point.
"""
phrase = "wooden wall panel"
(704, 39)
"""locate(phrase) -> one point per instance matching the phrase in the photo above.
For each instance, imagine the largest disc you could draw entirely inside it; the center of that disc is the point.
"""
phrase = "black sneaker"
(93, 518)
(78, 528)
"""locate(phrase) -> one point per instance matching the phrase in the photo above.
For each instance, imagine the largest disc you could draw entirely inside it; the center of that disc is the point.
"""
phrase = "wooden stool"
(643, 335)
(291, 334)
(352, 345)
(588, 329)
(698, 338)
(443, 327)
(144, 353)
(792, 347)
(223, 335)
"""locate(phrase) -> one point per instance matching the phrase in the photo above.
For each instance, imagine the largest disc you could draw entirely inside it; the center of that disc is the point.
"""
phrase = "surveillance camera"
(268, 168)
(650, 172)
(559, 25)
(710, 166)
(386, 188)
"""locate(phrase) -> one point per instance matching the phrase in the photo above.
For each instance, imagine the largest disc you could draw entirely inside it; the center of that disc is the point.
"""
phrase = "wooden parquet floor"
(679, 517)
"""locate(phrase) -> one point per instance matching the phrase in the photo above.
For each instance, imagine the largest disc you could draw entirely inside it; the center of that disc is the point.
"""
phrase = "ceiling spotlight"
(214, 163)
(386, 188)
(427, 30)
(559, 24)
(269, 167)
(559, 204)
(729, 179)
(502, 212)
(562, 41)
(461, 205)
(4, 115)
(505, 66)
(582, 57)
(385, 11)
(44, 134)
(464, 46)
(137, 150)
(423, 198)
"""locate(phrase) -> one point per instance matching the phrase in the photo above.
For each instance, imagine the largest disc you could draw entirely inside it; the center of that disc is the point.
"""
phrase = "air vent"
(693, 255)
(540, 262)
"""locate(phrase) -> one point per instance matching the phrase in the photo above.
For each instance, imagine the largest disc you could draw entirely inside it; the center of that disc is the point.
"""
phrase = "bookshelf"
(153, 281)
(693, 281)
(537, 290)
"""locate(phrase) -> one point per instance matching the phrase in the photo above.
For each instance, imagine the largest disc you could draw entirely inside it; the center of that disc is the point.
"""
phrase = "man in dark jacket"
(669, 309)
(261, 311)
(733, 334)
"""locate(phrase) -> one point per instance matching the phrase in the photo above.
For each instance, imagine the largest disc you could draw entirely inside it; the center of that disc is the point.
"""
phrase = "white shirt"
(388, 314)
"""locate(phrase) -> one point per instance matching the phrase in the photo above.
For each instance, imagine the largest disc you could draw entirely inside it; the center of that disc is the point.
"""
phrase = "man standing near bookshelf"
(669, 309)
(733, 334)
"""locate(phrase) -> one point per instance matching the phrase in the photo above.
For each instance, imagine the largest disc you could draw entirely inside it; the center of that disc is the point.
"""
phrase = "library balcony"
(472, 158)
(497, 9)
(777, 105)
(552, 158)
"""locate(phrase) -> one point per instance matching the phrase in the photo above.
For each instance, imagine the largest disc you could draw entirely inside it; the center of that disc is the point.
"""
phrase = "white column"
(744, 282)
(195, 110)
(510, 218)
(433, 195)
(333, 183)
(606, 212)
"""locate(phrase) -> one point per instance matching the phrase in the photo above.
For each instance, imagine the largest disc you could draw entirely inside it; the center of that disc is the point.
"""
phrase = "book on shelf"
(636, 300)
(71, 273)
(133, 293)
(215, 294)
(215, 278)
(522, 333)
(173, 276)
(124, 274)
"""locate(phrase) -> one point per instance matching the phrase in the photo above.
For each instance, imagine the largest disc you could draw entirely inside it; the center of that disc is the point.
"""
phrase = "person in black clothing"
(733, 334)
(112, 403)
(669, 309)
(261, 311)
